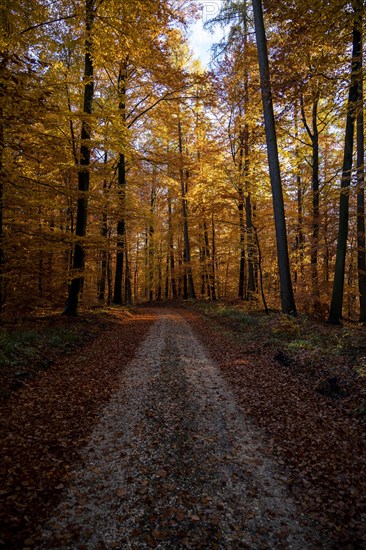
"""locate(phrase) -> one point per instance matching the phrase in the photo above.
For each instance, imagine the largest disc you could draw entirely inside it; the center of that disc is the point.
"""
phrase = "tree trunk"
(242, 262)
(300, 192)
(287, 297)
(84, 166)
(335, 314)
(213, 260)
(104, 233)
(250, 247)
(189, 291)
(315, 221)
(314, 137)
(171, 250)
(151, 245)
(128, 284)
(121, 182)
(361, 259)
(2, 128)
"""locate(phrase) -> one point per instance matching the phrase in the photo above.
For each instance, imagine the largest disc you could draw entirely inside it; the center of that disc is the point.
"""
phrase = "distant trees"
(127, 173)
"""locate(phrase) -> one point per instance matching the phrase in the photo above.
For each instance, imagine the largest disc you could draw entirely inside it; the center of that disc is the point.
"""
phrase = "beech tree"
(84, 163)
(287, 297)
(156, 184)
(335, 314)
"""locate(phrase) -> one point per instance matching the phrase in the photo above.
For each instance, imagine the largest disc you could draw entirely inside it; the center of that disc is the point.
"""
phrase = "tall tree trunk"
(171, 250)
(315, 197)
(128, 284)
(300, 192)
(313, 134)
(190, 292)
(104, 234)
(151, 245)
(206, 246)
(242, 259)
(250, 246)
(287, 296)
(213, 260)
(160, 273)
(361, 254)
(335, 314)
(2, 178)
(84, 166)
(121, 182)
(260, 269)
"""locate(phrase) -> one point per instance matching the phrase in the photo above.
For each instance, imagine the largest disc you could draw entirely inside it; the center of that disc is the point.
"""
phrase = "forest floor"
(206, 427)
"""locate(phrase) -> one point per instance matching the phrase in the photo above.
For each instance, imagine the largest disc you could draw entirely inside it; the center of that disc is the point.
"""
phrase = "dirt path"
(174, 463)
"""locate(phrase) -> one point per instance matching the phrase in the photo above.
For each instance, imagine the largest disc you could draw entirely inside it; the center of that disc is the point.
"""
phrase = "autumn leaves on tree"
(130, 174)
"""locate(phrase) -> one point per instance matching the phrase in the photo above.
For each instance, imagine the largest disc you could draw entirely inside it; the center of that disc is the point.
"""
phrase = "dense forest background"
(130, 174)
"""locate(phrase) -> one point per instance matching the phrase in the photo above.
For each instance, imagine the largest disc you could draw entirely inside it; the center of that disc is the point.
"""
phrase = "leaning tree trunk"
(335, 314)
(287, 296)
(84, 165)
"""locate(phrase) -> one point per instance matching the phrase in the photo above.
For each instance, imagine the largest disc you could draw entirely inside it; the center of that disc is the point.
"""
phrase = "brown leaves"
(43, 426)
(320, 448)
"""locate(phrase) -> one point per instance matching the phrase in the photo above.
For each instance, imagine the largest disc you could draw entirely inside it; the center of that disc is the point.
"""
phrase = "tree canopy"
(128, 173)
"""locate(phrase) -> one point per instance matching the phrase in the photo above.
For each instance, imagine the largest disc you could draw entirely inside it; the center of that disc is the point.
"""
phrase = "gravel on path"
(173, 463)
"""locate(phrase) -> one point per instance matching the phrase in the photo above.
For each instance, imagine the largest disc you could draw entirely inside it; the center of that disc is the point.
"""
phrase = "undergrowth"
(331, 359)
(34, 344)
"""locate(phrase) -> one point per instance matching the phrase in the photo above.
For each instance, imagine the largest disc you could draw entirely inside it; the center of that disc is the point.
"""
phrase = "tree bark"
(213, 260)
(360, 139)
(171, 250)
(83, 171)
(121, 182)
(335, 314)
(287, 297)
(2, 128)
(105, 252)
(189, 291)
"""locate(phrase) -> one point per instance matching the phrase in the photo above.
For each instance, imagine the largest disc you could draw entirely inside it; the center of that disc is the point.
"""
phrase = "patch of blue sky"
(201, 39)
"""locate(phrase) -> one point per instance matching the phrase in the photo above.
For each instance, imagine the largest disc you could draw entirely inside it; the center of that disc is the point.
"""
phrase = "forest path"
(173, 463)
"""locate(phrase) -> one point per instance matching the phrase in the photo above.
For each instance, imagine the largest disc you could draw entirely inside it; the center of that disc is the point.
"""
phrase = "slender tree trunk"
(151, 245)
(136, 274)
(315, 222)
(250, 286)
(206, 245)
(242, 259)
(171, 250)
(314, 137)
(121, 182)
(361, 252)
(260, 270)
(300, 192)
(2, 178)
(84, 166)
(104, 234)
(250, 247)
(190, 292)
(338, 284)
(213, 260)
(287, 297)
(128, 284)
(160, 273)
